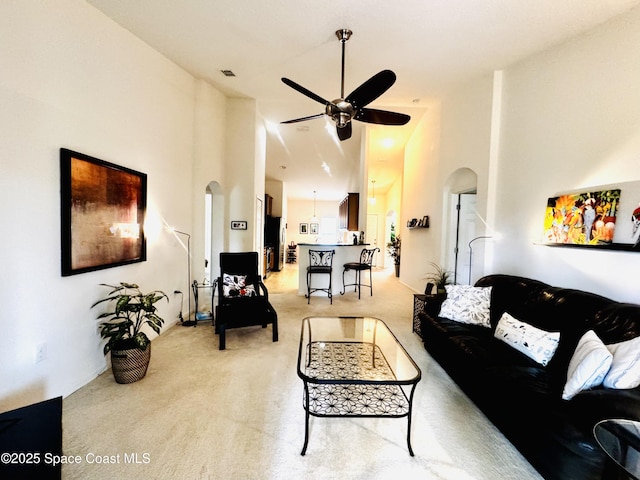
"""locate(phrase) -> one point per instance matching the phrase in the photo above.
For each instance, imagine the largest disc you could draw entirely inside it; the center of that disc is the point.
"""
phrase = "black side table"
(425, 303)
(620, 440)
(200, 316)
(419, 301)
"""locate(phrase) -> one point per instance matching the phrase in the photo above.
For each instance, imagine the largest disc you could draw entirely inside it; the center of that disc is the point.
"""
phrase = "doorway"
(372, 235)
(461, 215)
(390, 232)
(214, 229)
(462, 230)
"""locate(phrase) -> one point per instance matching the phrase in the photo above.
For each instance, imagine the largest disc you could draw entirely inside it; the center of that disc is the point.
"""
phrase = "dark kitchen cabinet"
(348, 212)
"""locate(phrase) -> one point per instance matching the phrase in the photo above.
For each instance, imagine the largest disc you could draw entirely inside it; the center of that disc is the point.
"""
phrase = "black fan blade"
(371, 89)
(382, 117)
(304, 91)
(310, 117)
(344, 132)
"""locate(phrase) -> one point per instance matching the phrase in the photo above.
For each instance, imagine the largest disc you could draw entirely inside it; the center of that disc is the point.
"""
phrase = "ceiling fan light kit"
(352, 107)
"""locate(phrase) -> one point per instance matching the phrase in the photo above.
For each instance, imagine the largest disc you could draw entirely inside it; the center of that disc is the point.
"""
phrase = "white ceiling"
(431, 45)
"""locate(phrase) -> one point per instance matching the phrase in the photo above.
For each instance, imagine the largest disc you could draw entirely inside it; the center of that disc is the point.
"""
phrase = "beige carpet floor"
(202, 413)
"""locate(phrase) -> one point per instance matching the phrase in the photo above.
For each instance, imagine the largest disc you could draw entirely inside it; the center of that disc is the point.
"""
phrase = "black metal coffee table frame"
(354, 367)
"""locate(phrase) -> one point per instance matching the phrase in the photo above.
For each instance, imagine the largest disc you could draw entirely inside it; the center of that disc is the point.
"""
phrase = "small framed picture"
(314, 228)
(304, 228)
(238, 225)
(425, 221)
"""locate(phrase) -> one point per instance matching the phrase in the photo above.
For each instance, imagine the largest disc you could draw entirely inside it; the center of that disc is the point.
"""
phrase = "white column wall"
(73, 78)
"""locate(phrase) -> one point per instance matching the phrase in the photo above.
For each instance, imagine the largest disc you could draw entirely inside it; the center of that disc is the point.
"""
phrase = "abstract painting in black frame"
(103, 207)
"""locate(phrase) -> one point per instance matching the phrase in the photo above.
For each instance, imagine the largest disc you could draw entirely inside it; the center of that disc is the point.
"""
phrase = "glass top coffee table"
(354, 367)
(620, 439)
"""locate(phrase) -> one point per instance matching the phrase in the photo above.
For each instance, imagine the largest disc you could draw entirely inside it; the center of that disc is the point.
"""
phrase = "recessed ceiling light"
(283, 167)
(228, 73)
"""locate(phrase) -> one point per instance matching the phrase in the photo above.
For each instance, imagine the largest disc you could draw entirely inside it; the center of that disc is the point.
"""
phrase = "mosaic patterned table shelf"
(343, 371)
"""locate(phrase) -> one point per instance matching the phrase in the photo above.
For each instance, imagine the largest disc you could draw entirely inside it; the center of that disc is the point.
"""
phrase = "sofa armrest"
(592, 406)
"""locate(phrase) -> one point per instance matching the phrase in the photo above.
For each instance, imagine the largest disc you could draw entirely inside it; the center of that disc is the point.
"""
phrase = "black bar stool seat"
(365, 263)
(320, 262)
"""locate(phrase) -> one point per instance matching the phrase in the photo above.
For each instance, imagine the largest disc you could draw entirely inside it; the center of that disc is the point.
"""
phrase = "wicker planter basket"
(130, 365)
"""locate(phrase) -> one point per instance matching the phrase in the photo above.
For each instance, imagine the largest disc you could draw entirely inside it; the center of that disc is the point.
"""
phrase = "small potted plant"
(439, 277)
(393, 248)
(129, 346)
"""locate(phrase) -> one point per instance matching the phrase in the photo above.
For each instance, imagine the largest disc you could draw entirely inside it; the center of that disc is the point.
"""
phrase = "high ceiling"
(431, 45)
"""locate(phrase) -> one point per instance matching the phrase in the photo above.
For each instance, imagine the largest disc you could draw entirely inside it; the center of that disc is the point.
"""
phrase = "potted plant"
(393, 248)
(439, 277)
(129, 346)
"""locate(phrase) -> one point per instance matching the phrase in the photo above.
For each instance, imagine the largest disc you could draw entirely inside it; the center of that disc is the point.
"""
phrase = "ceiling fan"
(352, 107)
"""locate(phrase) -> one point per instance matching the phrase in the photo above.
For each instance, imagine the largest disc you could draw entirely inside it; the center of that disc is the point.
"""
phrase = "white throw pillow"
(236, 286)
(537, 344)
(625, 368)
(467, 304)
(588, 366)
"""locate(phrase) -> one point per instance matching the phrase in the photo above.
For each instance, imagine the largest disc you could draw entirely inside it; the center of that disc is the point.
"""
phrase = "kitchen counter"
(361, 245)
(345, 252)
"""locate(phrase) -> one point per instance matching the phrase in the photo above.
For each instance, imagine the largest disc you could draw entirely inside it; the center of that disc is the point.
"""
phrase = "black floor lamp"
(471, 252)
(188, 322)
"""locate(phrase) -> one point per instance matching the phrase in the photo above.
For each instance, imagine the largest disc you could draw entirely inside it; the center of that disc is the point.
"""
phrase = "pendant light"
(314, 219)
(372, 199)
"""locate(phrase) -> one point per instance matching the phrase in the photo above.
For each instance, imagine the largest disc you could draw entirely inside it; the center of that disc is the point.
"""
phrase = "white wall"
(421, 195)
(209, 154)
(301, 211)
(245, 164)
(465, 160)
(72, 78)
(571, 120)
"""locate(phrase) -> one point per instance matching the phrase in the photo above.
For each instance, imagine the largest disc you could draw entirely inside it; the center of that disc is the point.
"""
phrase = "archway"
(460, 220)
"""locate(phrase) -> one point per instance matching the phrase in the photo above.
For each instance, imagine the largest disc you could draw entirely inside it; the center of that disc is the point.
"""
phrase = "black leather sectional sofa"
(522, 397)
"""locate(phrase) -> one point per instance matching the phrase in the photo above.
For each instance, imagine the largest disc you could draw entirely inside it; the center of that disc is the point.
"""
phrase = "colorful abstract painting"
(587, 218)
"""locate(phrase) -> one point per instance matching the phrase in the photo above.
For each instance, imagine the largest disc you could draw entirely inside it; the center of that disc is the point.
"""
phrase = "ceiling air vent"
(228, 73)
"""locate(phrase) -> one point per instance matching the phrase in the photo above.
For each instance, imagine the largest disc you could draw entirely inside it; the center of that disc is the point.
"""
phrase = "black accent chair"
(320, 263)
(243, 300)
(365, 263)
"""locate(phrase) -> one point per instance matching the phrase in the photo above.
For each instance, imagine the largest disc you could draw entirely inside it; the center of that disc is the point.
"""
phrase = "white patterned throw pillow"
(537, 344)
(588, 366)
(467, 304)
(236, 286)
(625, 367)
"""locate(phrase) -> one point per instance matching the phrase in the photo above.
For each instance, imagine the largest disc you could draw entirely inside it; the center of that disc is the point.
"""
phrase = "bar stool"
(366, 260)
(320, 262)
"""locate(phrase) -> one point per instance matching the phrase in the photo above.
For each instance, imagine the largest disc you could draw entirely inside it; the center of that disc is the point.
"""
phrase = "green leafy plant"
(393, 248)
(131, 310)
(440, 277)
